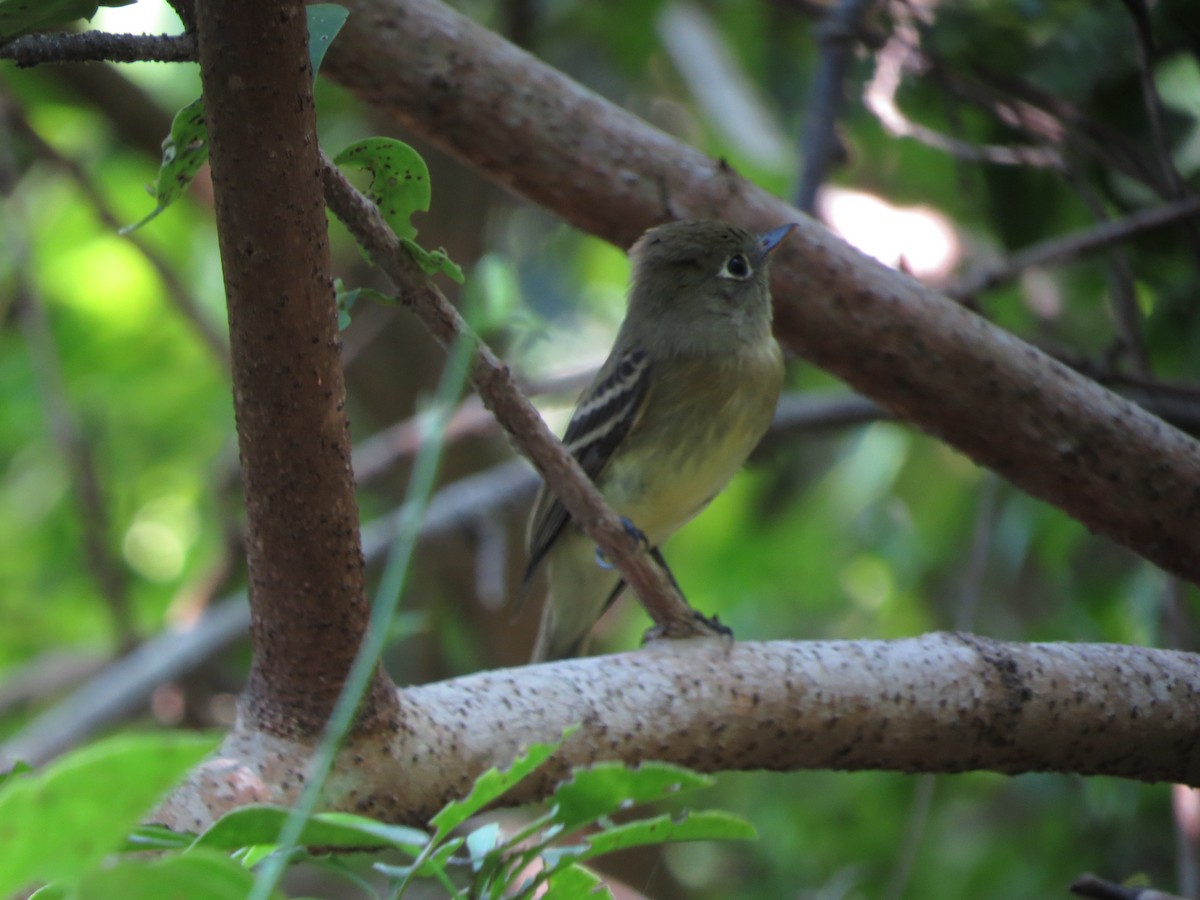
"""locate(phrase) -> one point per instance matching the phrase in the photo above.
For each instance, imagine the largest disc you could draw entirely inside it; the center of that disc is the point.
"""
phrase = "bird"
(686, 393)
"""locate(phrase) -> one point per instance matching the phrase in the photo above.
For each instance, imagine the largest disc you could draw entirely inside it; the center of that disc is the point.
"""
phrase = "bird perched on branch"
(686, 393)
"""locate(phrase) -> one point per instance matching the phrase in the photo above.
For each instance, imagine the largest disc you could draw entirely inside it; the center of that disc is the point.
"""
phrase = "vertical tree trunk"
(306, 570)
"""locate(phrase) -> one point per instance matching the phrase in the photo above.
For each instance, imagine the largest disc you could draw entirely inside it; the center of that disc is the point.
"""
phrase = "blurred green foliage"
(870, 532)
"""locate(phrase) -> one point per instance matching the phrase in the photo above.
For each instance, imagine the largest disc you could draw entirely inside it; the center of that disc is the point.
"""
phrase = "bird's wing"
(605, 415)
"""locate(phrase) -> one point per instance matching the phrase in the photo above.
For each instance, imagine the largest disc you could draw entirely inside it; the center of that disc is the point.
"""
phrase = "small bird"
(686, 393)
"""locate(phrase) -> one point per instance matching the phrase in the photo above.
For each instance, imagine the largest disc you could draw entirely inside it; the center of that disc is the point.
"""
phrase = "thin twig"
(98, 46)
(1150, 98)
(827, 98)
(376, 454)
(1126, 314)
(1099, 889)
(1176, 187)
(55, 671)
(1043, 116)
(880, 97)
(1065, 249)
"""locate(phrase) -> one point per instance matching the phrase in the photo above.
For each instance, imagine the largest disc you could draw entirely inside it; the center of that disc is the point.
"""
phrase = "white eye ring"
(736, 267)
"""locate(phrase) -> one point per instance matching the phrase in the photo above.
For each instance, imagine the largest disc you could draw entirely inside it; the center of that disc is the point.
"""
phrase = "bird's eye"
(737, 267)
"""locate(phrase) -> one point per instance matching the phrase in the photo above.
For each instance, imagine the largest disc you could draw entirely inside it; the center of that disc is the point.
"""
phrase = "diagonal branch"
(1070, 247)
(1052, 432)
(498, 389)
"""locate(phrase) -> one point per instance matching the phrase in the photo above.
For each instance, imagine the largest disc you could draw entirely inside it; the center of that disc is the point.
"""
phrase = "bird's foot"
(699, 626)
(636, 535)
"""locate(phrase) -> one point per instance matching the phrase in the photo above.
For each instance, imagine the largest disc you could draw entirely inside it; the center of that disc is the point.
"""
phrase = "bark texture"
(309, 610)
(943, 702)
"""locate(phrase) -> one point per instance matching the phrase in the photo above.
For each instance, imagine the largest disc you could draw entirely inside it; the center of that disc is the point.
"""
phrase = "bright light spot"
(106, 278)
(157, 542)
(1041, 294)
(154, 551)
(868, 582)
(917, 238)
(137, 18)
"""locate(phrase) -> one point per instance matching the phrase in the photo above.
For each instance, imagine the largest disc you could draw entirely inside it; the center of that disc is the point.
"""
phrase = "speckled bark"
(1052, 432)
(938, 703)
(306, 572)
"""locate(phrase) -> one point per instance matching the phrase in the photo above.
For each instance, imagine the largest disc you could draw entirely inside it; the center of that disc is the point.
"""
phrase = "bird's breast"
(702, 418)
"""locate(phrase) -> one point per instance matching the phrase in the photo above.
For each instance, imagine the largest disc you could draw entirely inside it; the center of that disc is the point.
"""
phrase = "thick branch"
(305, 566)
(939, 703)
(1051, 431)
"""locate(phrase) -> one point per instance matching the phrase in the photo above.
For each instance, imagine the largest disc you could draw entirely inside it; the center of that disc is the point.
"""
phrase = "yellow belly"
(701, 420)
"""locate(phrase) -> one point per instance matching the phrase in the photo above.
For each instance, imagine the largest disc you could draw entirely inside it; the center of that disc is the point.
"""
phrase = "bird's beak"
(772, 239)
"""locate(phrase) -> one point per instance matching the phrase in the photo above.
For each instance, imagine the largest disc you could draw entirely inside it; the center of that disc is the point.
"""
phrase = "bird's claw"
(636, 535)
(699, 626)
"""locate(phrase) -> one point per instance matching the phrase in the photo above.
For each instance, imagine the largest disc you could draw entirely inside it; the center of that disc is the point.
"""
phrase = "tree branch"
(943, 702)
(1070, 247)
(1052, 432)
(826, 98)
(98, 46)
(880, 98)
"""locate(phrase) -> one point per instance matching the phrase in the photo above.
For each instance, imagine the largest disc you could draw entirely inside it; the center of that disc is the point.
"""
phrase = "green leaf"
(56, 891)
(261, 824)
(325, 20)
(156, 837)
(346, 299)
(608, 787)
(19, 17)
(492, 783)
(434, 261)
(250, 857)
(195, 875)
(494, 296)
(704, 825)
(18, 768)
(399, 187)
(185, 150)
(572, 881)
(483, 841)
(399, 180)
(60, 822)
